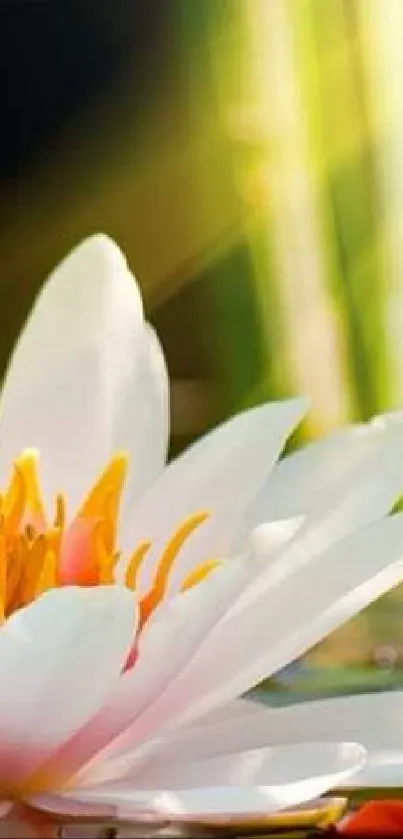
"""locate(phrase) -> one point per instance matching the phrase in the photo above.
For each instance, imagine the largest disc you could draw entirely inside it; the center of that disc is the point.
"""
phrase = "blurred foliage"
(248, 157)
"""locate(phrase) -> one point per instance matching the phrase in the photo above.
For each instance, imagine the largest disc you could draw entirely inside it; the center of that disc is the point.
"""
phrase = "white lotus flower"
(122, 700)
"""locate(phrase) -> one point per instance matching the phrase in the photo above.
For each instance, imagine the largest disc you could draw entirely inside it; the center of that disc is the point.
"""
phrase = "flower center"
(37, 555)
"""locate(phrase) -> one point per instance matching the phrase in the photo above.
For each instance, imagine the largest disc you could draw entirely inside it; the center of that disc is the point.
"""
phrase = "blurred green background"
(247, 155)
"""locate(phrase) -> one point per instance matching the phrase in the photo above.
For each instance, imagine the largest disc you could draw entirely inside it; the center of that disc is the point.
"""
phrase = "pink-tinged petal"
(63, 804)
(77, 565)
(68, 640)
(260, 781)
(166, 645)
(220, 474)
(238, 726)
(73, 369)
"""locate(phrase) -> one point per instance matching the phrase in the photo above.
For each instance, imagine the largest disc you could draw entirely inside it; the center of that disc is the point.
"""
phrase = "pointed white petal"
(77, 354)
(251, 766)
(284, 613)
(219, 474)
(269, 766)
(241, 626)
(167, 643)
(375, 719)
(59, 659)
(141, 423)
(339, 484)
(257, 782)
(238, 726)
(277, 618)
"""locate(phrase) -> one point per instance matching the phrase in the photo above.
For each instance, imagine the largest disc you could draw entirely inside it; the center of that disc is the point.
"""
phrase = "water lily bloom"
(132, 625)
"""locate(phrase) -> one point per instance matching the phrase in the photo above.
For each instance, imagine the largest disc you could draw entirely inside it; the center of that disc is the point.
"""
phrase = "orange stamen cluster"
(36, 556)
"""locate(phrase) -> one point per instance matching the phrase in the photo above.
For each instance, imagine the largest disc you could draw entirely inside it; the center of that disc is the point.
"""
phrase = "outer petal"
(338, 484)
(287, 609)
(167, 643)
(258, 765)
(243, 625)
(375, 719)
(80, 349)
(59, 659)
(220, 473)
(274, 620)
(238, 726)
(257, 782)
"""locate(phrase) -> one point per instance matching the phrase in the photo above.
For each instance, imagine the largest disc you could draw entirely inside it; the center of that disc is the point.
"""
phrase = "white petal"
(261, 781)
(219, 738)
(59, 659)
(375, 719)
(141, 424)
(278, 617)
(268, 537)
(385, 769)
(167, 644)
(220, 473)
(283, 614)
(78, 353)
(236, 727)
(254, 766)
(339, 484)
(223, 638)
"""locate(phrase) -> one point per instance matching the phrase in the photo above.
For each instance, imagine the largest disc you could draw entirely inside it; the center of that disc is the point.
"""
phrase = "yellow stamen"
(24, 570)
(35, 557)
(199, 574)
(27, 465)
(54, 538)
(106, 562)
(14, 500)
(135, 562)
(60, 516)
(15, 566)
(153, 598)
(3, 576)
(103, 501)
(47, 578)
